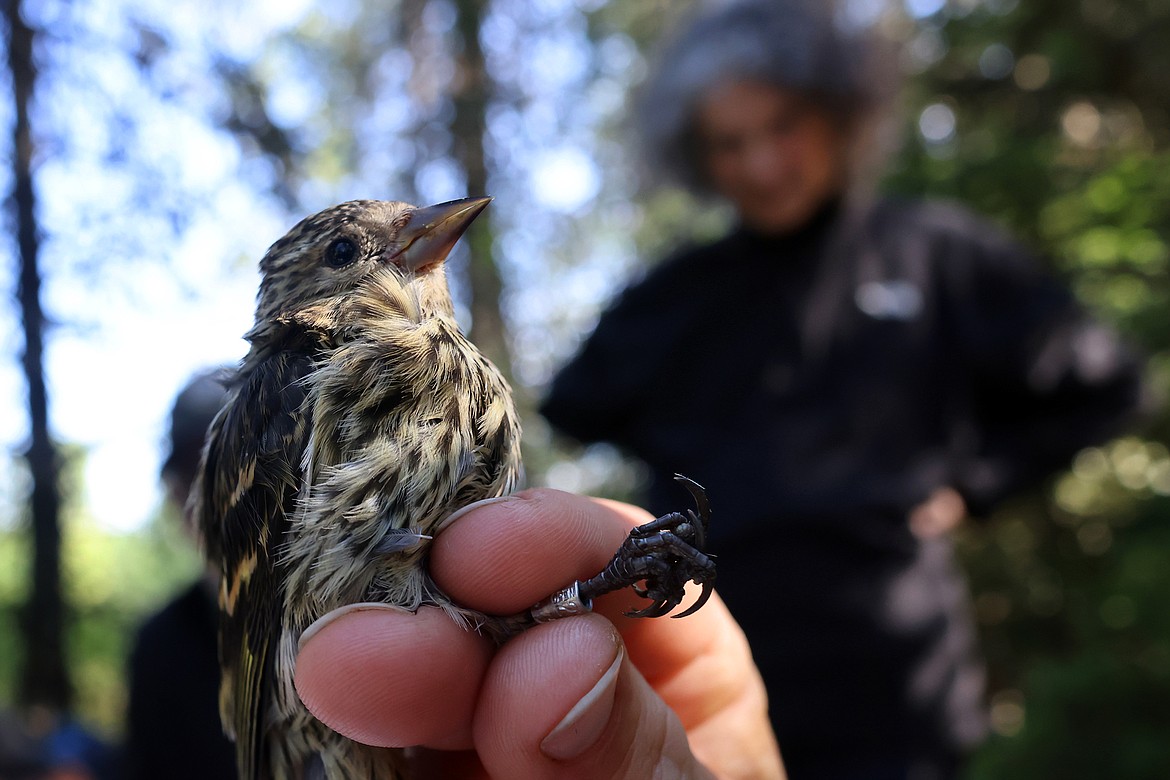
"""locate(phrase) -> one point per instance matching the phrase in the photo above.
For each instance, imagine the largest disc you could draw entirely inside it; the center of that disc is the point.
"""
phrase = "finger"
(702, 668)
(504, 555)
(563, 701)
(384, 676)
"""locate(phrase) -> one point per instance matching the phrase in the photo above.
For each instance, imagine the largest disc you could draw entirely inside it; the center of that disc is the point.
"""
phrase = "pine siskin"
(359, 420)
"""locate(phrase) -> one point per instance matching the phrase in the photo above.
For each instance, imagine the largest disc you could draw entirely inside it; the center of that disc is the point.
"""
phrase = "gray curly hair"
(810, 46)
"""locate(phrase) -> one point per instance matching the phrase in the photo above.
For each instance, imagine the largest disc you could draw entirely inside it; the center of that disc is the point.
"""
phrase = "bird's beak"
(432, 232)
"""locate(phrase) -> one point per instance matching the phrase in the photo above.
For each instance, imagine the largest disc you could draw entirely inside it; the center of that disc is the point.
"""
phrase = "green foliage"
(112, 581)
(1110, 234)
(15, 565)
(1071, 598)
(1066, 144)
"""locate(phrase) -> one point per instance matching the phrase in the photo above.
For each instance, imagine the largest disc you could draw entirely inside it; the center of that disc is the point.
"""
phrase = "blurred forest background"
(154, 148)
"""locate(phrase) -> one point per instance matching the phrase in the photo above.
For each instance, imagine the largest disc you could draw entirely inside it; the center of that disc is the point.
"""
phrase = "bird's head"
(332, 252)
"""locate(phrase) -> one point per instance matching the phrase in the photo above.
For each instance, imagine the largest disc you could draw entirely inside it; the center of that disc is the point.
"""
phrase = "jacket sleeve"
(603, 392)
(1043, 378)
(598, 393)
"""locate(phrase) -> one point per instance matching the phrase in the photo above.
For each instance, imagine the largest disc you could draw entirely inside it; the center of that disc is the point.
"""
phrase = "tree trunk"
(468, 128)
(45, 681)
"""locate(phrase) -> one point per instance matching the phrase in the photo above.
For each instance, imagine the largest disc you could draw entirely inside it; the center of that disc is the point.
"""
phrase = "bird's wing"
(246, 493)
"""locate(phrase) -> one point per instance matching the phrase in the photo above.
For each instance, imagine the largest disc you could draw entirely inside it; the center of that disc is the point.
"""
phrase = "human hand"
(939, 514)
(594, 696)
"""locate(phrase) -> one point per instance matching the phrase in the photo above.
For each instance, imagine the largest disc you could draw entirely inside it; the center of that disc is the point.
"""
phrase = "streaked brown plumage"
(360, 418)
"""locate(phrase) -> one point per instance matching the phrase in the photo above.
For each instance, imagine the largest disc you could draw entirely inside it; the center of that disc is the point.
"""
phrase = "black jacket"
(174, 729)
(821, 385)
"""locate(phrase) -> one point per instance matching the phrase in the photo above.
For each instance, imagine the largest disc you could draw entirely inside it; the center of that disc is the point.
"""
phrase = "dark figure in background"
(847, 376)
(174, 729)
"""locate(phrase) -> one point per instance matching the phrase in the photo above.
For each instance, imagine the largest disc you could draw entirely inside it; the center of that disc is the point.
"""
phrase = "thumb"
(563, 700)
(391, 678)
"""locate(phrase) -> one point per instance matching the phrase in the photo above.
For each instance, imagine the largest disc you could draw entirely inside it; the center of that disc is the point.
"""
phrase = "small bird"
(359, 420)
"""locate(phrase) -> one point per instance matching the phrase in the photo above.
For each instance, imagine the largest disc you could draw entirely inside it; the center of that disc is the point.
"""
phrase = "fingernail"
(582, 726)
(365, 606)
(464, 510)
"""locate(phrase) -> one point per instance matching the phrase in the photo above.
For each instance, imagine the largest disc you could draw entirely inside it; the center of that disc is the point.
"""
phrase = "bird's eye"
(341, 253)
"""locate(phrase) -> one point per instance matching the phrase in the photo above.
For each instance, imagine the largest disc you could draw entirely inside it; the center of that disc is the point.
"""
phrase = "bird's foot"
(657, 559)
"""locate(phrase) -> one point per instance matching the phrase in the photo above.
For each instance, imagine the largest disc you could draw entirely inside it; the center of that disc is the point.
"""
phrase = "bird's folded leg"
(657, 559)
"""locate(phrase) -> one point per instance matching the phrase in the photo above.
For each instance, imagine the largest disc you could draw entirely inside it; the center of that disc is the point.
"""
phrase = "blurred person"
(72, 752)
(174, 729)
(848, 376)
(39, 745)
(22, 757)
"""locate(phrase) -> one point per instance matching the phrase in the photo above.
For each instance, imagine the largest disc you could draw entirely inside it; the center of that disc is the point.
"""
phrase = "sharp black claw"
(708, 589)
(701, 504)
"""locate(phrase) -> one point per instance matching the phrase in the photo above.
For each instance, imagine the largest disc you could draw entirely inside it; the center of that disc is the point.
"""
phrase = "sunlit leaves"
(1069, 150)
